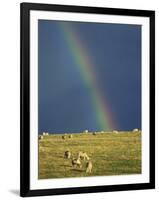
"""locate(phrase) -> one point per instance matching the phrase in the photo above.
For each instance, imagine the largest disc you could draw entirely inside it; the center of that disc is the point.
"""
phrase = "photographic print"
(89, 94)
(87, 99)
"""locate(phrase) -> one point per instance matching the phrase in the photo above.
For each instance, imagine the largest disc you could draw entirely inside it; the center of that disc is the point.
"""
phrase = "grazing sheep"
(40, 137)
(83, 155)
(115, 131)
(67, 154)
(89, 167)
(135, 130)
(76, 162)
(44, 133)
(70, 136)
(63, 137)
(94, 133)
(86, 131)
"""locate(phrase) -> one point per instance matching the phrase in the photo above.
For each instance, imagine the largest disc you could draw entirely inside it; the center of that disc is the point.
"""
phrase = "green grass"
(110, 153)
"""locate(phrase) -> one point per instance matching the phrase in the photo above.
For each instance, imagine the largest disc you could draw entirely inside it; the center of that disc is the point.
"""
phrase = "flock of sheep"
(40, 137)
(81, 156)
(77, 162)
(65, 136)
(86, 131)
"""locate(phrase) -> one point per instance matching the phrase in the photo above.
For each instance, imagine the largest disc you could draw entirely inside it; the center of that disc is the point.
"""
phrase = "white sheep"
(76, 162)
(83, 155)
(115, 131)
(89, 167)
(40, 137)
(63, 137)
(67, 154)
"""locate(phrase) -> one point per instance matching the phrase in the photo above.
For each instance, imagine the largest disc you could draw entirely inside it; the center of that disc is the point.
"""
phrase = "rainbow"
(82, 59)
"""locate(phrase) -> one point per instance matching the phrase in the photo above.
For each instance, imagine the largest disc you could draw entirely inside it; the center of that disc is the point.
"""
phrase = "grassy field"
(110, 153)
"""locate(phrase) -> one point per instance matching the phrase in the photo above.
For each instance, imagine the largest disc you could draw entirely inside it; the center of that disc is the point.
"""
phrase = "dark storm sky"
(64, 100)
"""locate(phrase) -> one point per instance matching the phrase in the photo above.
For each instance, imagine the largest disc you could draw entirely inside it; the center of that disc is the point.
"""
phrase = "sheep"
(76, 162)
(70, 136)
(63, 137)
(86, 131)
(94, 133)
(83, 155)
(44, 133)
(135, 130)
(89, 167)
(115, 131)
(67, 154)
(40, 137)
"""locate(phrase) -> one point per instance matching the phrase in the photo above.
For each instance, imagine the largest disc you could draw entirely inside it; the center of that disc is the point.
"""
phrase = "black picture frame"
(25, 9)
